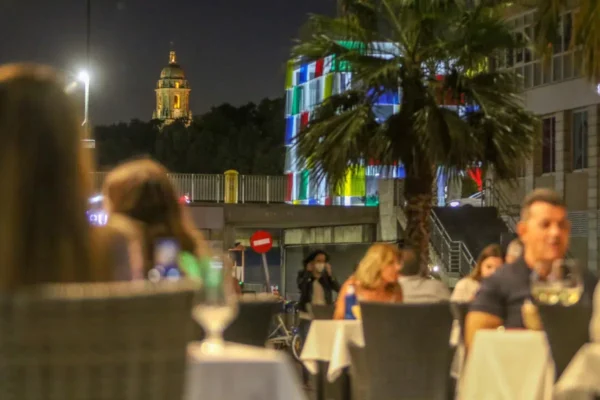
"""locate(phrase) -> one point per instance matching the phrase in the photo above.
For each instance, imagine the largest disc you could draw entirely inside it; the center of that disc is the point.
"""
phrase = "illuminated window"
(176, 102)
(176, 85)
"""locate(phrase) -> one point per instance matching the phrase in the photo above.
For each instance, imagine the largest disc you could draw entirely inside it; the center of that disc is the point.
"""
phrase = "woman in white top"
(489, 260)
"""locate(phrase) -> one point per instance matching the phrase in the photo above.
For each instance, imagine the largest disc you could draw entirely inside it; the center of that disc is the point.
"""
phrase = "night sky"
(231, 50)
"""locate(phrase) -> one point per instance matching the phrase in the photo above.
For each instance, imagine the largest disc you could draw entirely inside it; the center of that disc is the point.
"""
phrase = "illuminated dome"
(173, 70)
(172, 94)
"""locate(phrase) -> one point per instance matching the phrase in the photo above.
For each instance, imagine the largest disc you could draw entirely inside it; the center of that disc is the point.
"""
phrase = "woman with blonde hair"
(46, 237)
(489, 260)
(375, 279)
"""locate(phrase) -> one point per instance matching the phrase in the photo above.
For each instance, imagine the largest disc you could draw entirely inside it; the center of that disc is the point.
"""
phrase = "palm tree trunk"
(418, 195)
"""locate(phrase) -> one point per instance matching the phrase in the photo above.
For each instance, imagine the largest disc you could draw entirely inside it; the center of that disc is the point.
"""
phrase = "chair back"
(96, 341)
(567, 329)
(323, 311)
(252, 323)
(407, 350)
(460, 311)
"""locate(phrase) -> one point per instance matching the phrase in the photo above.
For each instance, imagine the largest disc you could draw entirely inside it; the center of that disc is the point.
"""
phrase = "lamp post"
(84, 77)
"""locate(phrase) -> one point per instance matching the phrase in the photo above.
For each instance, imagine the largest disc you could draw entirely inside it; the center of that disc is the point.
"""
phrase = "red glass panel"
(304, 119)
(319, 67)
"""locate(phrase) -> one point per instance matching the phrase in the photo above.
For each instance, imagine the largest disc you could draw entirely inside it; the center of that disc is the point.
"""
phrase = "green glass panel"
(296, 100)
(304, 182)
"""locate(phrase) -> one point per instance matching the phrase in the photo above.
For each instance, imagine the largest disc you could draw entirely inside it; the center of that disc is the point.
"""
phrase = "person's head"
(514, 251)
(544, 227)
(46, 182)
(317, 259)
(142, 191)
(410, 264)
(380, 266)
(489, 260)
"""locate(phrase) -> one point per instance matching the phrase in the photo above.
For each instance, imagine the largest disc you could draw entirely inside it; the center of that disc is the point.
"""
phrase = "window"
(548, 145)
(580, 140)
(176, 102)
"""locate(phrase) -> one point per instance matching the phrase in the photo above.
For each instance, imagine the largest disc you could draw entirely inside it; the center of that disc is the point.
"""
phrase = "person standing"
(316, 284)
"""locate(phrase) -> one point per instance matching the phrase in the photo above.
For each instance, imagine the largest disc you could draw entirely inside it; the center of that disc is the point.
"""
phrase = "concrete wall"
(580, 187)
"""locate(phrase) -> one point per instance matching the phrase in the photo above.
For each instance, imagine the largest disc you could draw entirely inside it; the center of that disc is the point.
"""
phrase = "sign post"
(262, 242)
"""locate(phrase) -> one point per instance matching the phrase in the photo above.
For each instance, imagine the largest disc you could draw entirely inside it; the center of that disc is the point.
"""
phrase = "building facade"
(567, 160)
(172, 93)
(307, 85)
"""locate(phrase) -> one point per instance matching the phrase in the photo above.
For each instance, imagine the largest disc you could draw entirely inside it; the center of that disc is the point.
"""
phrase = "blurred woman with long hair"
(141, 191)
(45, 236)
(489, 260)
(375, 279)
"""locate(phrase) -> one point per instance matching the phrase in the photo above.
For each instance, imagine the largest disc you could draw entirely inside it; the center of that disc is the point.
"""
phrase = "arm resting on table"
(477, 320)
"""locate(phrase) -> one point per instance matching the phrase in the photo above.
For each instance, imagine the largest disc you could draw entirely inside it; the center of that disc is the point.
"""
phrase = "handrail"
(459, 246)
(501, 202)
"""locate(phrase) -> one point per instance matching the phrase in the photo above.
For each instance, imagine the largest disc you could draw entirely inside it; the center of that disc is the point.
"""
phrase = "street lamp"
(84, 77)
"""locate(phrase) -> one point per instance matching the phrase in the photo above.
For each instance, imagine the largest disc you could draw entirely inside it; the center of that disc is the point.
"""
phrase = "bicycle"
(282, 337)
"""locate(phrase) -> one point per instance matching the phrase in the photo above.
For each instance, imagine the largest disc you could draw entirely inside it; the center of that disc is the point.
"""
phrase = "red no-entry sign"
(261, 242)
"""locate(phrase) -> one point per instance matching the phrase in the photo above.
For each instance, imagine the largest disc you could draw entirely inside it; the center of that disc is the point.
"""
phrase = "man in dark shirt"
(544, 230)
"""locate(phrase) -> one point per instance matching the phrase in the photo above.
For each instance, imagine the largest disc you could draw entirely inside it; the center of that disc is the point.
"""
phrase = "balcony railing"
(226, 188)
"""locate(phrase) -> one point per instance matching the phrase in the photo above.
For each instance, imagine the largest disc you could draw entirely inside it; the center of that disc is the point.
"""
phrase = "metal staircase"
(452, 257)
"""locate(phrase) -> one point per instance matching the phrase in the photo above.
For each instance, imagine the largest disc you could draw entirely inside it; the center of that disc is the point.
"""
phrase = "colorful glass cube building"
(307, 85)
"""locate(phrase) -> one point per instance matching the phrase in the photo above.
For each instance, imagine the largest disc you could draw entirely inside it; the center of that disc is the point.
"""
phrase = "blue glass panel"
(401, 172)
(303, 74)
(289, 130)
(386, 97)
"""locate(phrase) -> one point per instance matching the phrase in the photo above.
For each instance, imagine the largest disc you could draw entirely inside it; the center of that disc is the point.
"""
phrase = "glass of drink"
(217, 301)
(558, 283)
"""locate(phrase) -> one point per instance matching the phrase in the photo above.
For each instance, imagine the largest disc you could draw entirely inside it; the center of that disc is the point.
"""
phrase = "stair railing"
(454, 254)
(450, 255)
(506, 210)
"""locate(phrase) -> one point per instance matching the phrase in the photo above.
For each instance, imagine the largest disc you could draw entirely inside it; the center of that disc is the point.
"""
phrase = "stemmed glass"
(217, 301)
(559, 283)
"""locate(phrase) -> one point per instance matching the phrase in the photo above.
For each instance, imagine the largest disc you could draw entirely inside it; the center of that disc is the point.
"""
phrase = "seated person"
(489, 260)
(544, 231)
(417, 287)
(375, 279)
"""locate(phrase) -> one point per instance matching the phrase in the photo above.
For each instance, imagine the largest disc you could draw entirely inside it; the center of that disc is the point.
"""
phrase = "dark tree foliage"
(248, 139)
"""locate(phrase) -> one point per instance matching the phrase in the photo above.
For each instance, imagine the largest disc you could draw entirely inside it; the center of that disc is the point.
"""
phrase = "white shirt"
(465, 290)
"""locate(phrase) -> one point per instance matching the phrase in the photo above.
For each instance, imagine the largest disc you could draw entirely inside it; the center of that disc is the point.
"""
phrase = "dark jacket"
(305, 284)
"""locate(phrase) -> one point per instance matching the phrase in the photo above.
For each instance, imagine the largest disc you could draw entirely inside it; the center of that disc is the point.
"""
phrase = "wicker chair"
(567, 329)
(117, 341)
(407, 350)
(323, 312)
(250, 326)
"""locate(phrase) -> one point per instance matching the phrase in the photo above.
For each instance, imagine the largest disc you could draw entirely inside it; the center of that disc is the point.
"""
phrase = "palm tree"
(437, 53)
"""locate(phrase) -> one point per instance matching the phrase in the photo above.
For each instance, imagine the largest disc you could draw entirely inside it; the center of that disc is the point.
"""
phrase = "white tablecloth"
(508, 365)
(328, 340)
(241, 373)
(581, 379)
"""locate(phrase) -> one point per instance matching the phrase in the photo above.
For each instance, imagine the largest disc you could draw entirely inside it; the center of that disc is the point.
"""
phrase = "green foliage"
(406, 45)
(417, 38)
(248, 139)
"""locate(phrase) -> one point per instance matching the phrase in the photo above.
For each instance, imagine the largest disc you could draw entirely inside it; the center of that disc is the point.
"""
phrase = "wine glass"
(217, 301)
(560, 282)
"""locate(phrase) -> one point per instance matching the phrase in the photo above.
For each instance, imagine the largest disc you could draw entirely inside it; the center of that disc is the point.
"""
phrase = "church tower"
(172, 93)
